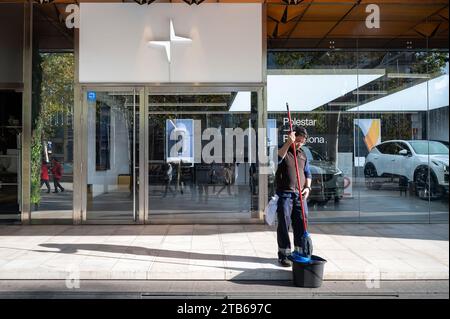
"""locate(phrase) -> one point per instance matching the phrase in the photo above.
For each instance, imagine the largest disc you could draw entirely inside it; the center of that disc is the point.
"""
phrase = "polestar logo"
(168, 43)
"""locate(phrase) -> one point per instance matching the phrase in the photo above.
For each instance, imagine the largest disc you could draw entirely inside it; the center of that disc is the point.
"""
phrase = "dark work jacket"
(286, 177)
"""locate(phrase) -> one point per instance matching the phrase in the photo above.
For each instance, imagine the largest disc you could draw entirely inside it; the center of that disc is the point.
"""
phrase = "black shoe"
(62, 190)
(285, 262)
(55, 192)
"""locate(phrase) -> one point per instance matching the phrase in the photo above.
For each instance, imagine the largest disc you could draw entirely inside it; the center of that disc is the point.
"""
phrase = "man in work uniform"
(288, 209)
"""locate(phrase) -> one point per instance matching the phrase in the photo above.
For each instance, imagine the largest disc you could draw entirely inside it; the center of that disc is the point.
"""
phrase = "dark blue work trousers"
(289, 212)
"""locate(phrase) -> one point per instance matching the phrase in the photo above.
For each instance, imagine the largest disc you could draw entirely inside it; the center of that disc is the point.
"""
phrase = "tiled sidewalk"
(219, 252)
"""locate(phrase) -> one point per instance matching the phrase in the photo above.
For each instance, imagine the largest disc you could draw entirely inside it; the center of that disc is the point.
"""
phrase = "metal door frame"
(81, 156)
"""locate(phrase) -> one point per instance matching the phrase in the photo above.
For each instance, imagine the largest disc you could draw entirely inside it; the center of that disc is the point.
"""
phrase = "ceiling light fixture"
(360, 92)
(342, 104)
(141, 2)
(407, 76)
(292, 2)
(43, 1)
(191, 2)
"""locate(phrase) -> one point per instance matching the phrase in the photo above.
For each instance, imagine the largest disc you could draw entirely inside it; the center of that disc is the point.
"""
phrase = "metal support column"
(141, 159)
(78, 142)
(262, 177)
(262, 116)
(26, 112)
(143, 163)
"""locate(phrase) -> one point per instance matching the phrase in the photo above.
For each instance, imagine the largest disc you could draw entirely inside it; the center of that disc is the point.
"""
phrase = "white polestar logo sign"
(167, 44)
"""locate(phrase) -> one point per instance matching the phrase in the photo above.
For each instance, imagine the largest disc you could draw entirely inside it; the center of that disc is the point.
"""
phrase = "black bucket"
(308, 275)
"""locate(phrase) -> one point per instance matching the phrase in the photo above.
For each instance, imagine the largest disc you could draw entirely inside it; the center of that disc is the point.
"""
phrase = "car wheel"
(426, 185)
(370, 177)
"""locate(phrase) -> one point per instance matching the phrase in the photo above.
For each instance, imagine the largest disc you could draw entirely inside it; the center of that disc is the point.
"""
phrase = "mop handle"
(296, 171)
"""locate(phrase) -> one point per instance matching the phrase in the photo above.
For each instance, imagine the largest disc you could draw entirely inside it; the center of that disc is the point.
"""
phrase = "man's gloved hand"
(305, 192)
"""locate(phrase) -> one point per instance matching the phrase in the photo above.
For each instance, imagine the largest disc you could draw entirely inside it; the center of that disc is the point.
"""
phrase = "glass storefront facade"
(383, 104)
(374, 99)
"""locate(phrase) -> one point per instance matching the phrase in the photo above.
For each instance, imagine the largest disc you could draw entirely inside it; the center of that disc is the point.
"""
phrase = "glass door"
(201, 156)
(111, 155)
(10, 155)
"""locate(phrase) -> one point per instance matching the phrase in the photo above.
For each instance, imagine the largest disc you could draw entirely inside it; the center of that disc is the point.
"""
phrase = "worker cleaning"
(293, 179)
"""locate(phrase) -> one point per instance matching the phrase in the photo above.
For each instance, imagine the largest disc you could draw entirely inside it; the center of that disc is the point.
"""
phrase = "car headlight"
(441, 164)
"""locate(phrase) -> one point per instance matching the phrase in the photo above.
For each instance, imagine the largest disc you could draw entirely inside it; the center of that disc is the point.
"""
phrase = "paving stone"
(219, 252)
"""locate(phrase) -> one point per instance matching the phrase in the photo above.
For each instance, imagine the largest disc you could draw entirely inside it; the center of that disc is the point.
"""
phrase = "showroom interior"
(368, 79)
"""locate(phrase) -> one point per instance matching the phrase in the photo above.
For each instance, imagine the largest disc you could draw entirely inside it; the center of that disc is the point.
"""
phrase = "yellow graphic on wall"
(373, 136)
(367, 133)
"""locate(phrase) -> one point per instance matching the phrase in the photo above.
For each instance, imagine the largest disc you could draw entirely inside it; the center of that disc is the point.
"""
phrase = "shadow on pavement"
(247, 276)
(135, 250)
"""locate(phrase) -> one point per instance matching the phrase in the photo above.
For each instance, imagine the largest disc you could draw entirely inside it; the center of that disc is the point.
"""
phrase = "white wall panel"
(226, 43)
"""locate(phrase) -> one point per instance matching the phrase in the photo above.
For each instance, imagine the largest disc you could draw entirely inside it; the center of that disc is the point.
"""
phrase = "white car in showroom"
(418, 164)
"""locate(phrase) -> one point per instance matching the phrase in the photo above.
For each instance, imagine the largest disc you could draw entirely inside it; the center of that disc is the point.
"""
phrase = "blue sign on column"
(91, 96)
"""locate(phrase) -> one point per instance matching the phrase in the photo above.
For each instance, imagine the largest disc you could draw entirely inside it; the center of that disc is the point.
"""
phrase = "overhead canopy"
(324, 24)
(413, 98)
(306, 92)
(241, 103)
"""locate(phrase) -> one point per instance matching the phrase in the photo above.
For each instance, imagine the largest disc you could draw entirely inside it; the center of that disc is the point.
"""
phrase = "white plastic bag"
(271, 211)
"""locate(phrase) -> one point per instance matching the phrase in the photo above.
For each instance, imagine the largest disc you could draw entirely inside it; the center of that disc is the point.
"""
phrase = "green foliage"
(36, 160)
(312, 60)
(422, 62)
(395, 126)
(429, 63)
(57, 87)
(292, 60)
(53, 95)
